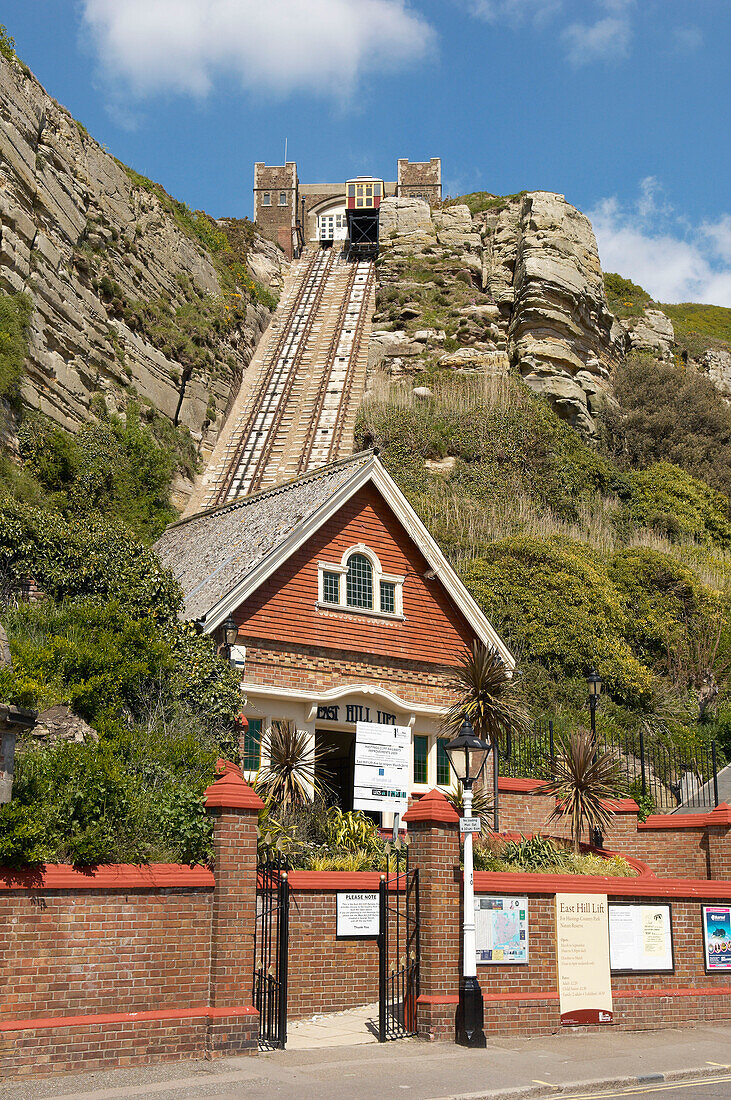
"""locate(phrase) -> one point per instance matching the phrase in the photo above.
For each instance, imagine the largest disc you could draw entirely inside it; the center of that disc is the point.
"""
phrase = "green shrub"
(7, 44)
(555, 601)
(670, 501)
(91, 556)
(667, 412)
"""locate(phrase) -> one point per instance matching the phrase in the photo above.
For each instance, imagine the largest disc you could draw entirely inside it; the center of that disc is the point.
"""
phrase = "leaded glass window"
(421, 750)
(388, 597)
(359, 584)
(331, 587)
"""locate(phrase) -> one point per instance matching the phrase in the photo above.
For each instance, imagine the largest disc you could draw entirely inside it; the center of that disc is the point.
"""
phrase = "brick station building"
(281, 199)
(346, 609)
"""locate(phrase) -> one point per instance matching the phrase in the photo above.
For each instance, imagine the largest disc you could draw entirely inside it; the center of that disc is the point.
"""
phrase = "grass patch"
(15, 315)
(625, 298)
(698, 327)
(481, 201)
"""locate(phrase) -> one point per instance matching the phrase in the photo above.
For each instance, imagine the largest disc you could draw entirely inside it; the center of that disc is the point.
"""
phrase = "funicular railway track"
(254, 438)
(327, 423)
(300, 410)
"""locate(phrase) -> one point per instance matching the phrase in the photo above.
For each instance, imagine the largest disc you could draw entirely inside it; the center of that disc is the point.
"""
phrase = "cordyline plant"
(486, 694)
(289, 777)
(584, 777)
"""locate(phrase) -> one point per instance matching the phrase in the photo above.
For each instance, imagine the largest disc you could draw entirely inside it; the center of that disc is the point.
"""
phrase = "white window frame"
(282, 196)
(378, 575)
(266, 198)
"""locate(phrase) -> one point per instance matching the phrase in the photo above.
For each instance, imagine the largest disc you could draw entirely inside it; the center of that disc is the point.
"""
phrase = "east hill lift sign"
(382, 757)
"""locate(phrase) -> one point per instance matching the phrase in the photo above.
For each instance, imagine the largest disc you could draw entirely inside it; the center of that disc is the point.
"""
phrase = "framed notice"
(381, 775)
(501, 930)
(717, 937)
(582, 951)
(640, 938)
(357, 916)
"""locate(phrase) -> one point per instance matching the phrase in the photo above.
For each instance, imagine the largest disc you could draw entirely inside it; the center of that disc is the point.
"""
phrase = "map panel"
(501, 930)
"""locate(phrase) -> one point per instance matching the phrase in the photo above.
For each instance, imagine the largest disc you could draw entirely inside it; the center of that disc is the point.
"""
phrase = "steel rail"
(351, 368)
(306, 300)
(281, 405)
(330, 357)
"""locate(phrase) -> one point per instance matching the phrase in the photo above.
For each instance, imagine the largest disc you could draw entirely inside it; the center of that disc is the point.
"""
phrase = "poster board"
(717, 937)
(640, 938)
(382, 762)
(501, 930)
(582, 951)
(357, 916)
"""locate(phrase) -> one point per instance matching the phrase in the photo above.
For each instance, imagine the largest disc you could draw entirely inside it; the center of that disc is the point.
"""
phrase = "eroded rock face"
(539, 305)
(652, 332)
(717, 365)
(69, 216)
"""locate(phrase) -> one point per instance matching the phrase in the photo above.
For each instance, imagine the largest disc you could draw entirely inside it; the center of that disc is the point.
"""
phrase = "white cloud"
(648, 243)
(605, 39)
(687, 40)
(276, 46)
(514, 11)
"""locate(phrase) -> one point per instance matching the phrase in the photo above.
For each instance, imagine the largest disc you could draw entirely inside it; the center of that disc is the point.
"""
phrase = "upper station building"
(282, 202)
(346, 610)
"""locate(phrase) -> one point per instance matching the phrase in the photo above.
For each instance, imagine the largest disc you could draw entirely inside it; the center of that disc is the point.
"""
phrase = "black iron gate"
(398, 954)
(271, 944)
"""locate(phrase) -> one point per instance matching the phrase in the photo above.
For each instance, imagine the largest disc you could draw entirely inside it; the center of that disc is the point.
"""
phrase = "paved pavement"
(639, 1064)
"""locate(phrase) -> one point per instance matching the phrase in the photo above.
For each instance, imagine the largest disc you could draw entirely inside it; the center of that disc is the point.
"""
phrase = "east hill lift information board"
(382, 758)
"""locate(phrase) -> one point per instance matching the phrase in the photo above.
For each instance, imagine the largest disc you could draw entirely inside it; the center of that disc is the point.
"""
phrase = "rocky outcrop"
(561, 336)
(716, 363)
(652, 332)
(535, 291)
(94, 246)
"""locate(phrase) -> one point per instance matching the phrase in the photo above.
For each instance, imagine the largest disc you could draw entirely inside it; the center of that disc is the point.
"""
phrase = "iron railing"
(671, 776)
(271, 951)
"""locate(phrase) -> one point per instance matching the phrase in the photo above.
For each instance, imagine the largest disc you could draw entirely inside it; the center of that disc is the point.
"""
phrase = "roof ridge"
(239, 502)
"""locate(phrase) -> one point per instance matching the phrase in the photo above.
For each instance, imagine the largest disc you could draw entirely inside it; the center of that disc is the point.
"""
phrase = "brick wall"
(288, 665)
(525, 999)
(94, 952)
(274, 220)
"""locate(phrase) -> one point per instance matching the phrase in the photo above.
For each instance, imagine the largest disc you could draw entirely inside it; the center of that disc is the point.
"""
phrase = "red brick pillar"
(719, 842)
(233, 1025)
(434, 849)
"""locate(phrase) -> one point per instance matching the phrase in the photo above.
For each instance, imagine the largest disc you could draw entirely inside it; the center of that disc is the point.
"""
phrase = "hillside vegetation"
(577, 561)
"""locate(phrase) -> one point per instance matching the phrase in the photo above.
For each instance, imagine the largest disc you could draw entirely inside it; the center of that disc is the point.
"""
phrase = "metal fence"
(670, 776)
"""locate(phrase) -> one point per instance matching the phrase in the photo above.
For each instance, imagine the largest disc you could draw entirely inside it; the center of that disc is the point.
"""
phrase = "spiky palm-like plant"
(486, 694)
(584, 777)
(482, 806)
(289, 775)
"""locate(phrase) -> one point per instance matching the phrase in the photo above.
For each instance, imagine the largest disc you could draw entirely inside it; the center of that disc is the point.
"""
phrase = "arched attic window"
(359, 584)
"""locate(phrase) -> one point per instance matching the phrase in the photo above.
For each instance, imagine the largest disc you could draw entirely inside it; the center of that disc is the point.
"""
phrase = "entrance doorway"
(338, 761)
(331, 226)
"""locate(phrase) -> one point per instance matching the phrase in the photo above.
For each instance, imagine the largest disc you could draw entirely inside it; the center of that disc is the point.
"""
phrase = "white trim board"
(374, 472)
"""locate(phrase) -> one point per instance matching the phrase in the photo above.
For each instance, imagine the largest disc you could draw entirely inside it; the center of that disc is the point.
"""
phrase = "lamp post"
(594, 681)
(467, 755)
(230, 634)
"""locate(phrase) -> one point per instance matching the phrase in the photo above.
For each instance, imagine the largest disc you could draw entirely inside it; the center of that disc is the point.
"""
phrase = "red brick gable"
(285, 607)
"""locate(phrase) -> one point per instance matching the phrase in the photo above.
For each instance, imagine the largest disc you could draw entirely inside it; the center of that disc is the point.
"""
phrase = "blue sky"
(621, 105)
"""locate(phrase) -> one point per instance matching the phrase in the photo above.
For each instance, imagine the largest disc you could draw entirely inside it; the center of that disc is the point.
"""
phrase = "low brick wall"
(123, 941)
(327, 974)
(672, 845)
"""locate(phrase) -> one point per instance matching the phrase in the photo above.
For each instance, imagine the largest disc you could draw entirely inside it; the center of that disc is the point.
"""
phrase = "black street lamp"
(467, 755)
(230, 632)
(594, 681)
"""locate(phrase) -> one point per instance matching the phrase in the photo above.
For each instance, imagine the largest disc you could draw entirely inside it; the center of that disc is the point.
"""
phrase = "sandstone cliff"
(518, 286)
(533, 294)
(133, 294)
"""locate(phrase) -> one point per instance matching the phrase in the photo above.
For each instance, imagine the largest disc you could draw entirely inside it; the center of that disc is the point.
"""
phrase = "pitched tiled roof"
(210, 553)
